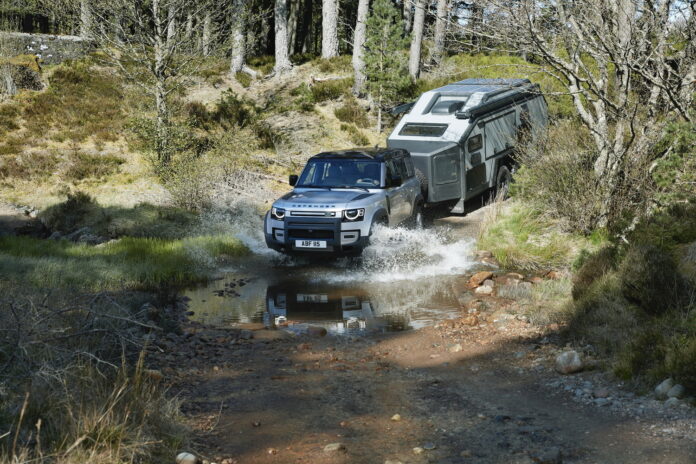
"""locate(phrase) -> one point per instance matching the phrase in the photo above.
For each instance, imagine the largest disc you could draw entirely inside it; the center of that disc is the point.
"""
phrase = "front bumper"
(340, 237)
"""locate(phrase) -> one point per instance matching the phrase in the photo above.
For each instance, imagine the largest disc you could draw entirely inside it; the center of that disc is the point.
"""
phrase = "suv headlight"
(278, 213)
(353, 215)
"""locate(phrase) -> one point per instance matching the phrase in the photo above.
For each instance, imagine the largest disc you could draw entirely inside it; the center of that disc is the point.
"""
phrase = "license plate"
(310, 243)
(305, 298)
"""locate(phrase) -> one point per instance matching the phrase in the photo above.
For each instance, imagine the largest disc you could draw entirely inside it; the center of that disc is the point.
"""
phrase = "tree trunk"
(292, 26)
(189, 26)
(207, 32)
(408, 15)
(416, 40)
(440, 31)
(282, 60)
(329, 28)
(359, 47)
(305, 28)
(85, 19)
(171, 23)
(238, 37)
(162, 125)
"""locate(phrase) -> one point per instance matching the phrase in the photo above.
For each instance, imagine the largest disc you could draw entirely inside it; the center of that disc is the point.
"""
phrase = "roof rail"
(491, 105)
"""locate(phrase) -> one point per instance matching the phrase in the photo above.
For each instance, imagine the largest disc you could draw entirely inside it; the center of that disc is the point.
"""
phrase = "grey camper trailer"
(461, 136)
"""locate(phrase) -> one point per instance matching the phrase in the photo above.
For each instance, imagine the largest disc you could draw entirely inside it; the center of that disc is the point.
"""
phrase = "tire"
(502, 182)
(423, 183)
(416, 219)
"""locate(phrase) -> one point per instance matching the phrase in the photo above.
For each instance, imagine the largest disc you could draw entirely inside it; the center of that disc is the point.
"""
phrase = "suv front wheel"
(416, 219)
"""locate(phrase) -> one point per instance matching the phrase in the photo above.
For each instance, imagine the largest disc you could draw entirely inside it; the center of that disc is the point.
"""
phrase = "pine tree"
(385, 63)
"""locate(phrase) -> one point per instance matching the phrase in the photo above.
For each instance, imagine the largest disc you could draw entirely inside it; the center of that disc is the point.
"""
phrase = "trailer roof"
(376, 153)
(470, 86)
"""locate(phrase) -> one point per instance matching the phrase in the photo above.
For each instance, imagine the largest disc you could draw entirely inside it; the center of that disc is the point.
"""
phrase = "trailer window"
(446, 169)
(449, 104)
(474, 143)
(424, 130)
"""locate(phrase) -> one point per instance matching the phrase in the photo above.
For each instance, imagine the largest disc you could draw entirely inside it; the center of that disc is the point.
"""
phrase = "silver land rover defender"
(340, 197)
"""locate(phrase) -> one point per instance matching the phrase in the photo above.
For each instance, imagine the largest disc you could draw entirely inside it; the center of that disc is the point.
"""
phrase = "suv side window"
(410, 171)
(392, 171)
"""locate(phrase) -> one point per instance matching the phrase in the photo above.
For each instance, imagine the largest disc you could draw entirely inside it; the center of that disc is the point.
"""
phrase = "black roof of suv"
(379, 154)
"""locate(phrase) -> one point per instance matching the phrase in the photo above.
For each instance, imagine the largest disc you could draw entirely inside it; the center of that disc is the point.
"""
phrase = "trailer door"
(446, 181)
(475, 161)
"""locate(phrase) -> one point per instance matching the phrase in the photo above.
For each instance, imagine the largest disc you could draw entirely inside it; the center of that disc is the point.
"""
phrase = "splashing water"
(406, 254)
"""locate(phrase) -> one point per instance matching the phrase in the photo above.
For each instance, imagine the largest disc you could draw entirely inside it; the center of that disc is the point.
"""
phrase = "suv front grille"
(310, 233)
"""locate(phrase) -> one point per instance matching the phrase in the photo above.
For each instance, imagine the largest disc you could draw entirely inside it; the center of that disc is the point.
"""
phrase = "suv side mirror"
(396, 181)
(293, 180)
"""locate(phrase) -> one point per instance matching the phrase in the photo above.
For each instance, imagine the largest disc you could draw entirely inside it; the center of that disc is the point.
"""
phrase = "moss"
(244, 79)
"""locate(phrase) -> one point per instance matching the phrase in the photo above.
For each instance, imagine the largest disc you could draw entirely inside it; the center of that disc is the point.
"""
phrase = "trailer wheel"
(503, 181)
(423, 183)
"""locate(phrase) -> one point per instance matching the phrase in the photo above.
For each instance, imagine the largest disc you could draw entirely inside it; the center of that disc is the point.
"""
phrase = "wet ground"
(415, 367)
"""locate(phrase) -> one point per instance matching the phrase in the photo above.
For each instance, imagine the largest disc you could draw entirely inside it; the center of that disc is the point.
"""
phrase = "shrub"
(8, 118)
(331, 89)
(336, 64)
(263, 64)
(231, 111)
(355, 135)
(84, 166)
(593, 267)
(351, 112)
(67, 215)
(197, 115)
(304, 100)
(244, 79)
(649, 279)
(557, 176)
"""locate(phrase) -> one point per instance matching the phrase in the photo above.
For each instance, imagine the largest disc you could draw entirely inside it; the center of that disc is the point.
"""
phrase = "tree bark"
(238, 37)
(329, 28)
(359, 46)
(207, 32)
(162, 125)
(171, 23)
(189, 26)
(292, 26)
(282, 59)
(440, 31)
(408, 15)
(85, 19)
(416, 40)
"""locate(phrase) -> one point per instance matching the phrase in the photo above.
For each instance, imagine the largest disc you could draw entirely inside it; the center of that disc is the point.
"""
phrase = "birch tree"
(282, 58)
(359, 38)
(441, 20)
(329, 28)
(407, 6)
(416, 39)
(137, 39)
(240, 19)
(85, 19)
(623, 63)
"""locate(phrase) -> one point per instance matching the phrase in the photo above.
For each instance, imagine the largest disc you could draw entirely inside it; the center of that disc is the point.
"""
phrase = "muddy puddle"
(403, 281)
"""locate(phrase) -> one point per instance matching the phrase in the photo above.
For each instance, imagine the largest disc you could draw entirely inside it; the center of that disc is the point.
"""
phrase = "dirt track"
(470, 390)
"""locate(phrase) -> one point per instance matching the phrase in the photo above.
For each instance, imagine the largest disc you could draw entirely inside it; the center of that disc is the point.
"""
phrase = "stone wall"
(52, 49)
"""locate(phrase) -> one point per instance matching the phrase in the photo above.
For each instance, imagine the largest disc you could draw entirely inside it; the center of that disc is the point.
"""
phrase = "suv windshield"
(341, 173)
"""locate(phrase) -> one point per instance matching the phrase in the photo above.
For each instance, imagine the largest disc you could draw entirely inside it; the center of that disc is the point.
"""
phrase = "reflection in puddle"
(294, 304)
(403, 281)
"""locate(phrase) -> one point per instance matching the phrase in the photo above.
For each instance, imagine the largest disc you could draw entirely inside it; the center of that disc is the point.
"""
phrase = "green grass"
(128, 263)
(521, 238)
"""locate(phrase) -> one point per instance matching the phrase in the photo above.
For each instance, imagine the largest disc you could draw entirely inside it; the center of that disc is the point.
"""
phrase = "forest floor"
(479, 388)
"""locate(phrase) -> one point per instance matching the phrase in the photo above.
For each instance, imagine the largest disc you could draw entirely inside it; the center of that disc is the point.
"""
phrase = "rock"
(316, 331)
(554, 275)
(672, 402)
(246, 334)
(455, 348)
(601, 392)
(488, 283)
(479, 278)
(483, 290)
(549, 456)
(663, 388)
(568, 362)
(186, 458)
(396, 417)
(602, 401)
(418, 450)
(272, 451)
(480, 254)
(465, 298)
(55, 236)
(74, 236)
(429, 446)
(392, 461)
(334, 448)
(676, 391)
